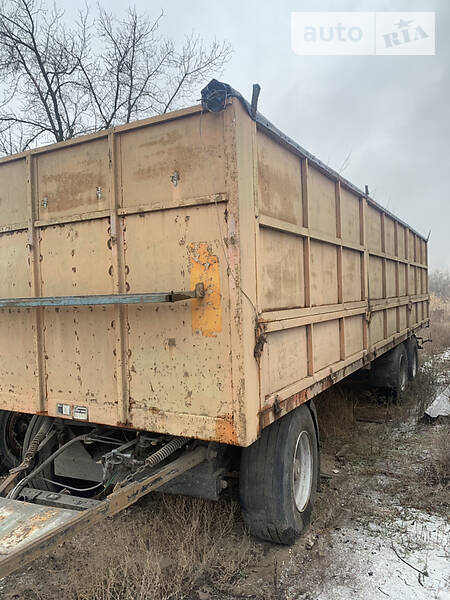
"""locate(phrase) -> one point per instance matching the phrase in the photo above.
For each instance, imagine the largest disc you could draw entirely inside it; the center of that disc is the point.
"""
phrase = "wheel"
(391, 371)
(400, 368)
(412, 351)
(279, 476)
(13, 427)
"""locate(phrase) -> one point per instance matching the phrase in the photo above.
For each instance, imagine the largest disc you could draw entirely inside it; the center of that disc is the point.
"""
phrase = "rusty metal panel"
(15, 280)
(17, 364)
(389, 236)
(351, 269)
(391, 321)
(164, 164)
(76, 259)
(350, 217)
(179, 354)
(373, 229)
(279, 181)
(390, 279)
(282, 270)
(375, 277)
(354, 341)
(80, 363)
(376, 327)
(73, 180)
(401, 241)
(322, 209)
(326, 345)
(401, 279)
(324, 283)
(13, 201)
(286, 358)
(22, 523)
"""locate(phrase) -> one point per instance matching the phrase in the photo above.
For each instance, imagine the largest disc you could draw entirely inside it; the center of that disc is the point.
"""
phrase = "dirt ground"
(380, 530)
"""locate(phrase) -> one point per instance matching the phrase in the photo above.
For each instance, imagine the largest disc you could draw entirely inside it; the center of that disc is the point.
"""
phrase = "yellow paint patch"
(207, 311)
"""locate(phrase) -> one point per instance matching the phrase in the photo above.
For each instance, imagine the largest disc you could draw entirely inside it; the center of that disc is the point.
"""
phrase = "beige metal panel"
(15, 280)
(391, 321)
(401, 241)
(389, 236)
(375, 277)
(411, 246)
(353, 334)
(401, 279)
(281, 259)
(166, 163)
(412, 290)
(403, 322)
(324, 282)
(80, 362)
(322, 202)
(279, 181)
(18, 363)
(72, 180)
(424, 281)
(390, 279)
(373, 229)
(13, 192)
(179, 354)
(246, 377)
(286, 358)
(350, 217)
(76, 259)
(326, 344)
(351, 274)
(376, 327)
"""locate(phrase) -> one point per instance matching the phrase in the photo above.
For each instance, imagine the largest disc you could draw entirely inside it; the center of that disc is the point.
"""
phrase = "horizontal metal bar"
(104, 299)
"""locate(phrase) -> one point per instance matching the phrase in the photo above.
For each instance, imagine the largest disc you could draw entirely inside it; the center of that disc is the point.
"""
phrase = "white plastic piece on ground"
(440, 407)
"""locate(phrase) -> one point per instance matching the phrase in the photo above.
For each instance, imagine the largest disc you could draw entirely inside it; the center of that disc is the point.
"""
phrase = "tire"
(412, 350)
(13, 426)
(391, 371)
(279, 478)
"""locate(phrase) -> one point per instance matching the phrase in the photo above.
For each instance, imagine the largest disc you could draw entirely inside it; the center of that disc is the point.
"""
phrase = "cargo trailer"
(184, 286)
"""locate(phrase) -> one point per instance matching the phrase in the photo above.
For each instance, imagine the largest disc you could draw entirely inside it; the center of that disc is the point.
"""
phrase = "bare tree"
(60, 81)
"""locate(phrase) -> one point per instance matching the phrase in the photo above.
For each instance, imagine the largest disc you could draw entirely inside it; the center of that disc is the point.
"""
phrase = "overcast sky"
(391, 114)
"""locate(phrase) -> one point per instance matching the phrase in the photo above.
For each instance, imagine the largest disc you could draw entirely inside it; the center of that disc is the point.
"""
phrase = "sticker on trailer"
(64, 409)
(80, 413)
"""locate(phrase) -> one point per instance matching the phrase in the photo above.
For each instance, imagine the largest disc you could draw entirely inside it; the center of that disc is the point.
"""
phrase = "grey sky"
(390, 113)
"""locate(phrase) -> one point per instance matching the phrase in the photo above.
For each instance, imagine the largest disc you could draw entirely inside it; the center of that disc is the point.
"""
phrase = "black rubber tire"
(11, 441)
(267, 479)
(390, 371)
(412, 350)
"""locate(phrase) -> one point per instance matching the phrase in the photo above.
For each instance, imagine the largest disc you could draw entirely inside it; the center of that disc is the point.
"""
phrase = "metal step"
(22, 523)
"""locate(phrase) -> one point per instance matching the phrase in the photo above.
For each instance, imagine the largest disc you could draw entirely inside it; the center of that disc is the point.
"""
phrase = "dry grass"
(164, 550)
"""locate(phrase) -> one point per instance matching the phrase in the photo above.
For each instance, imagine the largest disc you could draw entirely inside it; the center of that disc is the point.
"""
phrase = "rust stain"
(204, 268)
(225, 432)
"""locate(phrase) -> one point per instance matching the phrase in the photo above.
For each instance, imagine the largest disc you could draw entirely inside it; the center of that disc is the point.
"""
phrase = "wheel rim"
(403, 374)
(303, 471)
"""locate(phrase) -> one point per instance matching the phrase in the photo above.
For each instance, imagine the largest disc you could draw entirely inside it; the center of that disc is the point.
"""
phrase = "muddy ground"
(380, 530)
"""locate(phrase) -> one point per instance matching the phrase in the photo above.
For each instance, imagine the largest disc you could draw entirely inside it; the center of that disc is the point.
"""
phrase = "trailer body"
(306, 278)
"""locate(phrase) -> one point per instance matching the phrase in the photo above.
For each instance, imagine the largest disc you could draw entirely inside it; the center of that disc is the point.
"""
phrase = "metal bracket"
(104, 299)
